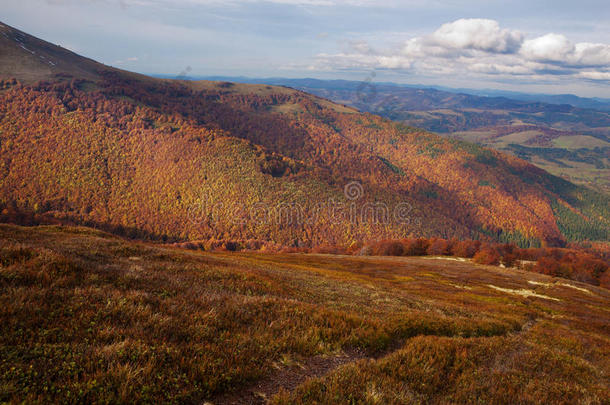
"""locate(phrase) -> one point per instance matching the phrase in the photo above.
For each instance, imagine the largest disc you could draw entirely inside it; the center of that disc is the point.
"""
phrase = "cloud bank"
(480, 47)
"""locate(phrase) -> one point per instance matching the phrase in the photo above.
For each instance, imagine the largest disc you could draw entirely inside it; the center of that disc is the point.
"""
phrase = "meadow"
(91, 317)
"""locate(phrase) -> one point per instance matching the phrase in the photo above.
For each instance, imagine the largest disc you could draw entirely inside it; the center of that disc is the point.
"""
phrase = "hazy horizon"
(559, 48)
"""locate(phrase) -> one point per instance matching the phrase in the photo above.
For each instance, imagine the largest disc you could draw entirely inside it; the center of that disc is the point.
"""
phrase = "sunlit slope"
(88, 317)
(194, 160)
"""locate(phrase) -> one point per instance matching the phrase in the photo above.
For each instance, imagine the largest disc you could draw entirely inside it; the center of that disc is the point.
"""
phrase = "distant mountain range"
(596, 103)
(84, 143)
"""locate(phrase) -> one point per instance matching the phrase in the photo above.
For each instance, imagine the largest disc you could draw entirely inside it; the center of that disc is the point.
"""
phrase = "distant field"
(581, 141)
(88, 317)
(579, 158)
(578, 172)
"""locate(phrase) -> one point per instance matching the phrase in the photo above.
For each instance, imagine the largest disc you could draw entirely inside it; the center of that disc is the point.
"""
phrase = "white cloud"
(593, 75)
(588, 54)
(394, 62)
(475, 33)
(480, 47)
(498, 68)
(549, 47)
(558, 49)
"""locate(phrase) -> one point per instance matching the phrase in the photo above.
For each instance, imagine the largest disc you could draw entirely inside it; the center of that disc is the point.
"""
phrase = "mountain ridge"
(596, 103)
(196, 160)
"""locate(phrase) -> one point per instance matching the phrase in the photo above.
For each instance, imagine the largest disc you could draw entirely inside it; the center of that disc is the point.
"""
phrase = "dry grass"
(88, 317)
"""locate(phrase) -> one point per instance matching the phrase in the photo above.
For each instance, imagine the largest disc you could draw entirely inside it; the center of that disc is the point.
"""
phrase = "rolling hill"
(572, 142)
(83, 143)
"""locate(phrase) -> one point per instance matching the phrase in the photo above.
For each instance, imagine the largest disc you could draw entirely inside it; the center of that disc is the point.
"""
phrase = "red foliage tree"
(388, 248)
(466, 248)
(439, 247)
(487, 256)
(416, 247)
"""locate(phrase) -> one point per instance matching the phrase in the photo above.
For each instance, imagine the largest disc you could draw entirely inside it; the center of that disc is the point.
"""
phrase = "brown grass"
(88, 317)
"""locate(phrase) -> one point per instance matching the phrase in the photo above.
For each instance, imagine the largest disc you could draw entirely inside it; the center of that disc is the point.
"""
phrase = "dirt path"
(291, 377)
(288, 378)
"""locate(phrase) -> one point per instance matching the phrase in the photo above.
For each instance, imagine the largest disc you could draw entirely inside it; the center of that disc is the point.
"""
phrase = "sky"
(553, 47)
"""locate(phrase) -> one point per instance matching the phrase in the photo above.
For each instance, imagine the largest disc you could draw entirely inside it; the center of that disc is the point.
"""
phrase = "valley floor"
(89, 317)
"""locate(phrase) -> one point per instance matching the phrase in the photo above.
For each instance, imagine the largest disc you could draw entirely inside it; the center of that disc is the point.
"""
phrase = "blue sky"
(537, 46)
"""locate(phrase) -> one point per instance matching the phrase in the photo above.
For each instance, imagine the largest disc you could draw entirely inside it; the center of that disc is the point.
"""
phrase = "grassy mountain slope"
(196, 160)
(31, 59)
(88, 317)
